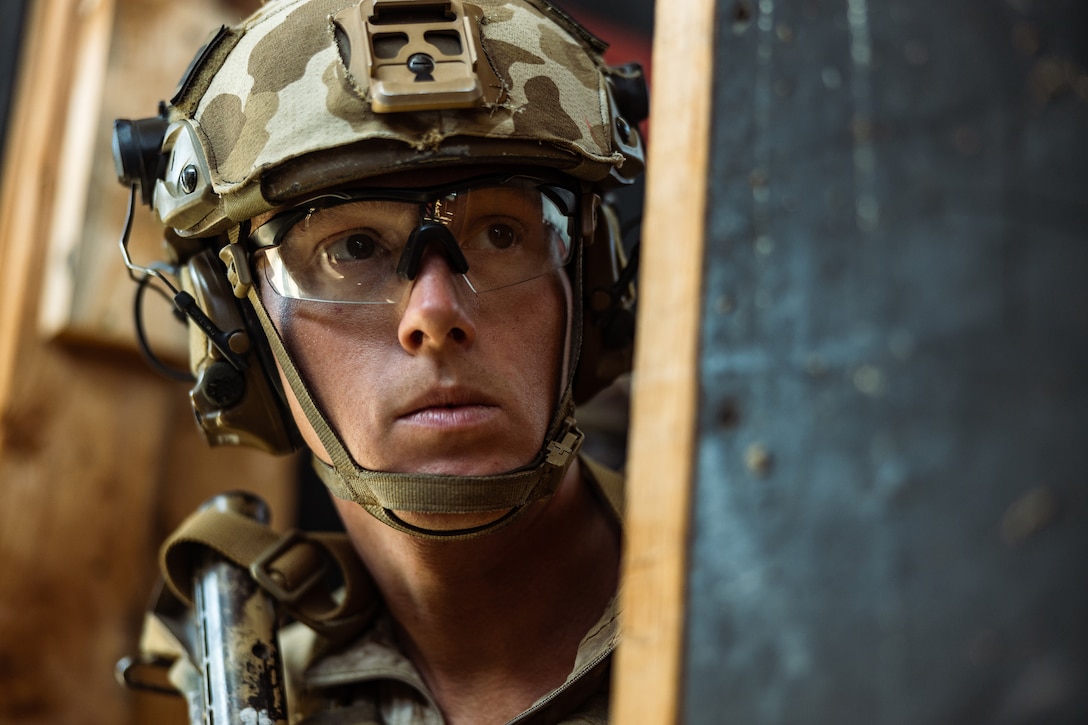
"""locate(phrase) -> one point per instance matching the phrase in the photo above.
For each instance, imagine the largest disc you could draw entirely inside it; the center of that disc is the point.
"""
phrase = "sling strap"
(317, 577)
(609, 483)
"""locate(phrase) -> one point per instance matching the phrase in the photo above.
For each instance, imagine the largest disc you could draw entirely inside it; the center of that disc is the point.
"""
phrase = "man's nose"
(435, 315)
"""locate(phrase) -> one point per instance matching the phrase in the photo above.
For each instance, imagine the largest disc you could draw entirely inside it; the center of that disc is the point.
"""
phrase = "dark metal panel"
(12, 13)
(890, 517)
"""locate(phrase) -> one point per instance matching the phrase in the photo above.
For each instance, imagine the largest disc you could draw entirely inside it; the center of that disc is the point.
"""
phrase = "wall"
(99, 457)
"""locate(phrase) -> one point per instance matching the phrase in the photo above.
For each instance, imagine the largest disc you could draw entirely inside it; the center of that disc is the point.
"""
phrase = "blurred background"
(99, 455)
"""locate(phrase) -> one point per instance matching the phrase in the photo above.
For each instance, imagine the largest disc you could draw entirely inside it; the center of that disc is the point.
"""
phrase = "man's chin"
(465, 461)
(450, 522)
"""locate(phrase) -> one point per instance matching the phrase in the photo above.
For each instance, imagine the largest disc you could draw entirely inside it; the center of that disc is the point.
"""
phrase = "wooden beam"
(99, 457)
(75, 150)
(660, 464)
(30, 170)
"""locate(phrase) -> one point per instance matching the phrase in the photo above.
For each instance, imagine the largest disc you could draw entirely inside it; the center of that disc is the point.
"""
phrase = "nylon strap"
(610, 483)
(296, 568)
(381, 493)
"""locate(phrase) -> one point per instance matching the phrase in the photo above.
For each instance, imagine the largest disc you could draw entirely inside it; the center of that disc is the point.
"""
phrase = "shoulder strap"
(298, 569)
(610, 483)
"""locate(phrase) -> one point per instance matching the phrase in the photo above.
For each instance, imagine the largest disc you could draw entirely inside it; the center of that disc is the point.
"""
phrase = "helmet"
(311, 95)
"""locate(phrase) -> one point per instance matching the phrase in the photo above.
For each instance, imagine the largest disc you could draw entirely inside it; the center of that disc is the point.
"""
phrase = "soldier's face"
(442, 381)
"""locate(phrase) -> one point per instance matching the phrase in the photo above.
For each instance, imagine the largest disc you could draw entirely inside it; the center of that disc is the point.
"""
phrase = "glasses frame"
(566, 193)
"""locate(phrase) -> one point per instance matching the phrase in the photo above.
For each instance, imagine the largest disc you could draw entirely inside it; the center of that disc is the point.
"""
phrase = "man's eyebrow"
(349, 211)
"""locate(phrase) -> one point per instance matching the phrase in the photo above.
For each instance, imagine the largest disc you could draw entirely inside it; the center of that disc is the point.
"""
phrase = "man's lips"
(452, 417)
(449, 406)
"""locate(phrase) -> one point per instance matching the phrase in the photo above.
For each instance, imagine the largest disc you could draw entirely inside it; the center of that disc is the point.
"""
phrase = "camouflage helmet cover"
(276, 112)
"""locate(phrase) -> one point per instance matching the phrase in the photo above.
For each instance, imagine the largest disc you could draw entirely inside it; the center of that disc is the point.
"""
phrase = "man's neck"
(494, 622)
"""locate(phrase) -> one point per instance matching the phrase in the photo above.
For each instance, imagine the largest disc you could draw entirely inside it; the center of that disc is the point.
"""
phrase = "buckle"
(271, 581)
(234, 256)
(560, 451)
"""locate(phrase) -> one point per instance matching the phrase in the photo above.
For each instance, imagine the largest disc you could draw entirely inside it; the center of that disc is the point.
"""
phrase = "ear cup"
(233, 406)
(608, 327)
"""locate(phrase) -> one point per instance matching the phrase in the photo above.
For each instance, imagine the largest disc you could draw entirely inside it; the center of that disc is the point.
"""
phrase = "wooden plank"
(648, 668)
(28, 174)
(90, 51)
(88, 296)
(99, 457)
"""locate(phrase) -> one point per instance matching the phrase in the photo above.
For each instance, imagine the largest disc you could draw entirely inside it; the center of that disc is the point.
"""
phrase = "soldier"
(394, 217)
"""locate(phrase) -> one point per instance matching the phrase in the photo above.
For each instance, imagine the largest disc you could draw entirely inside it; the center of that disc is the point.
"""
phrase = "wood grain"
(99, 458)
(660, 464)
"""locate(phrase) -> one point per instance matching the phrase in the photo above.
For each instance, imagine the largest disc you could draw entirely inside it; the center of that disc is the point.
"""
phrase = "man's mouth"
(450, 408)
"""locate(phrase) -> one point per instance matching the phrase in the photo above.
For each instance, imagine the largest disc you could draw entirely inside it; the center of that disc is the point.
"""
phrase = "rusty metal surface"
(237, 651)
(891, 506)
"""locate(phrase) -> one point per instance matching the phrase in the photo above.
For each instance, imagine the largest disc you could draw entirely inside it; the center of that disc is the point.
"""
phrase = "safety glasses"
(365, 247)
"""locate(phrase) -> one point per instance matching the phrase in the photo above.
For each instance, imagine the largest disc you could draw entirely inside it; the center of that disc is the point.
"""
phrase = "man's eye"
(501, 236)
(355, 247)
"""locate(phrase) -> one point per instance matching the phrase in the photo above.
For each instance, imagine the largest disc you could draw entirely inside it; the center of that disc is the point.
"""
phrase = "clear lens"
(346, 248)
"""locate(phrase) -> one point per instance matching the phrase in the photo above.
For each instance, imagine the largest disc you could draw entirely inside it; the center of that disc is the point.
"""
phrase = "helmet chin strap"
(383, 493)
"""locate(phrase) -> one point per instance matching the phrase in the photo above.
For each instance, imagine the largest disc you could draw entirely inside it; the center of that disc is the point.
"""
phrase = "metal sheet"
(891, 506)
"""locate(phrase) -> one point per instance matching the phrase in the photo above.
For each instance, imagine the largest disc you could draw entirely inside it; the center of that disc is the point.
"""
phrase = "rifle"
(229, 633)
(228, 581)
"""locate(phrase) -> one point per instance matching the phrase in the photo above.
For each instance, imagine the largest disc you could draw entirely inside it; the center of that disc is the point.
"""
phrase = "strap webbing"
(298, 569)
(383, 491)
(610, 483)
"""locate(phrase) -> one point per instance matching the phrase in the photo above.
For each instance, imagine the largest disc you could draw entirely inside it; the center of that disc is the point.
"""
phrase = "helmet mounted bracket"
(416, 55)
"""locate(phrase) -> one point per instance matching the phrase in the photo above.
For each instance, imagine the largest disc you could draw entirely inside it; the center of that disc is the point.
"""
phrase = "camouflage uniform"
(370, 682)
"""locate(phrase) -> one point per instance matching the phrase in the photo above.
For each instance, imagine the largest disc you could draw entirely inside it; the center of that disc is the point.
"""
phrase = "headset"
(237, 397)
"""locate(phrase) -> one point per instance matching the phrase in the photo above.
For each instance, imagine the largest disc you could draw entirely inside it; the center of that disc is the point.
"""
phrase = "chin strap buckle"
(565, 444)
(234, 257)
